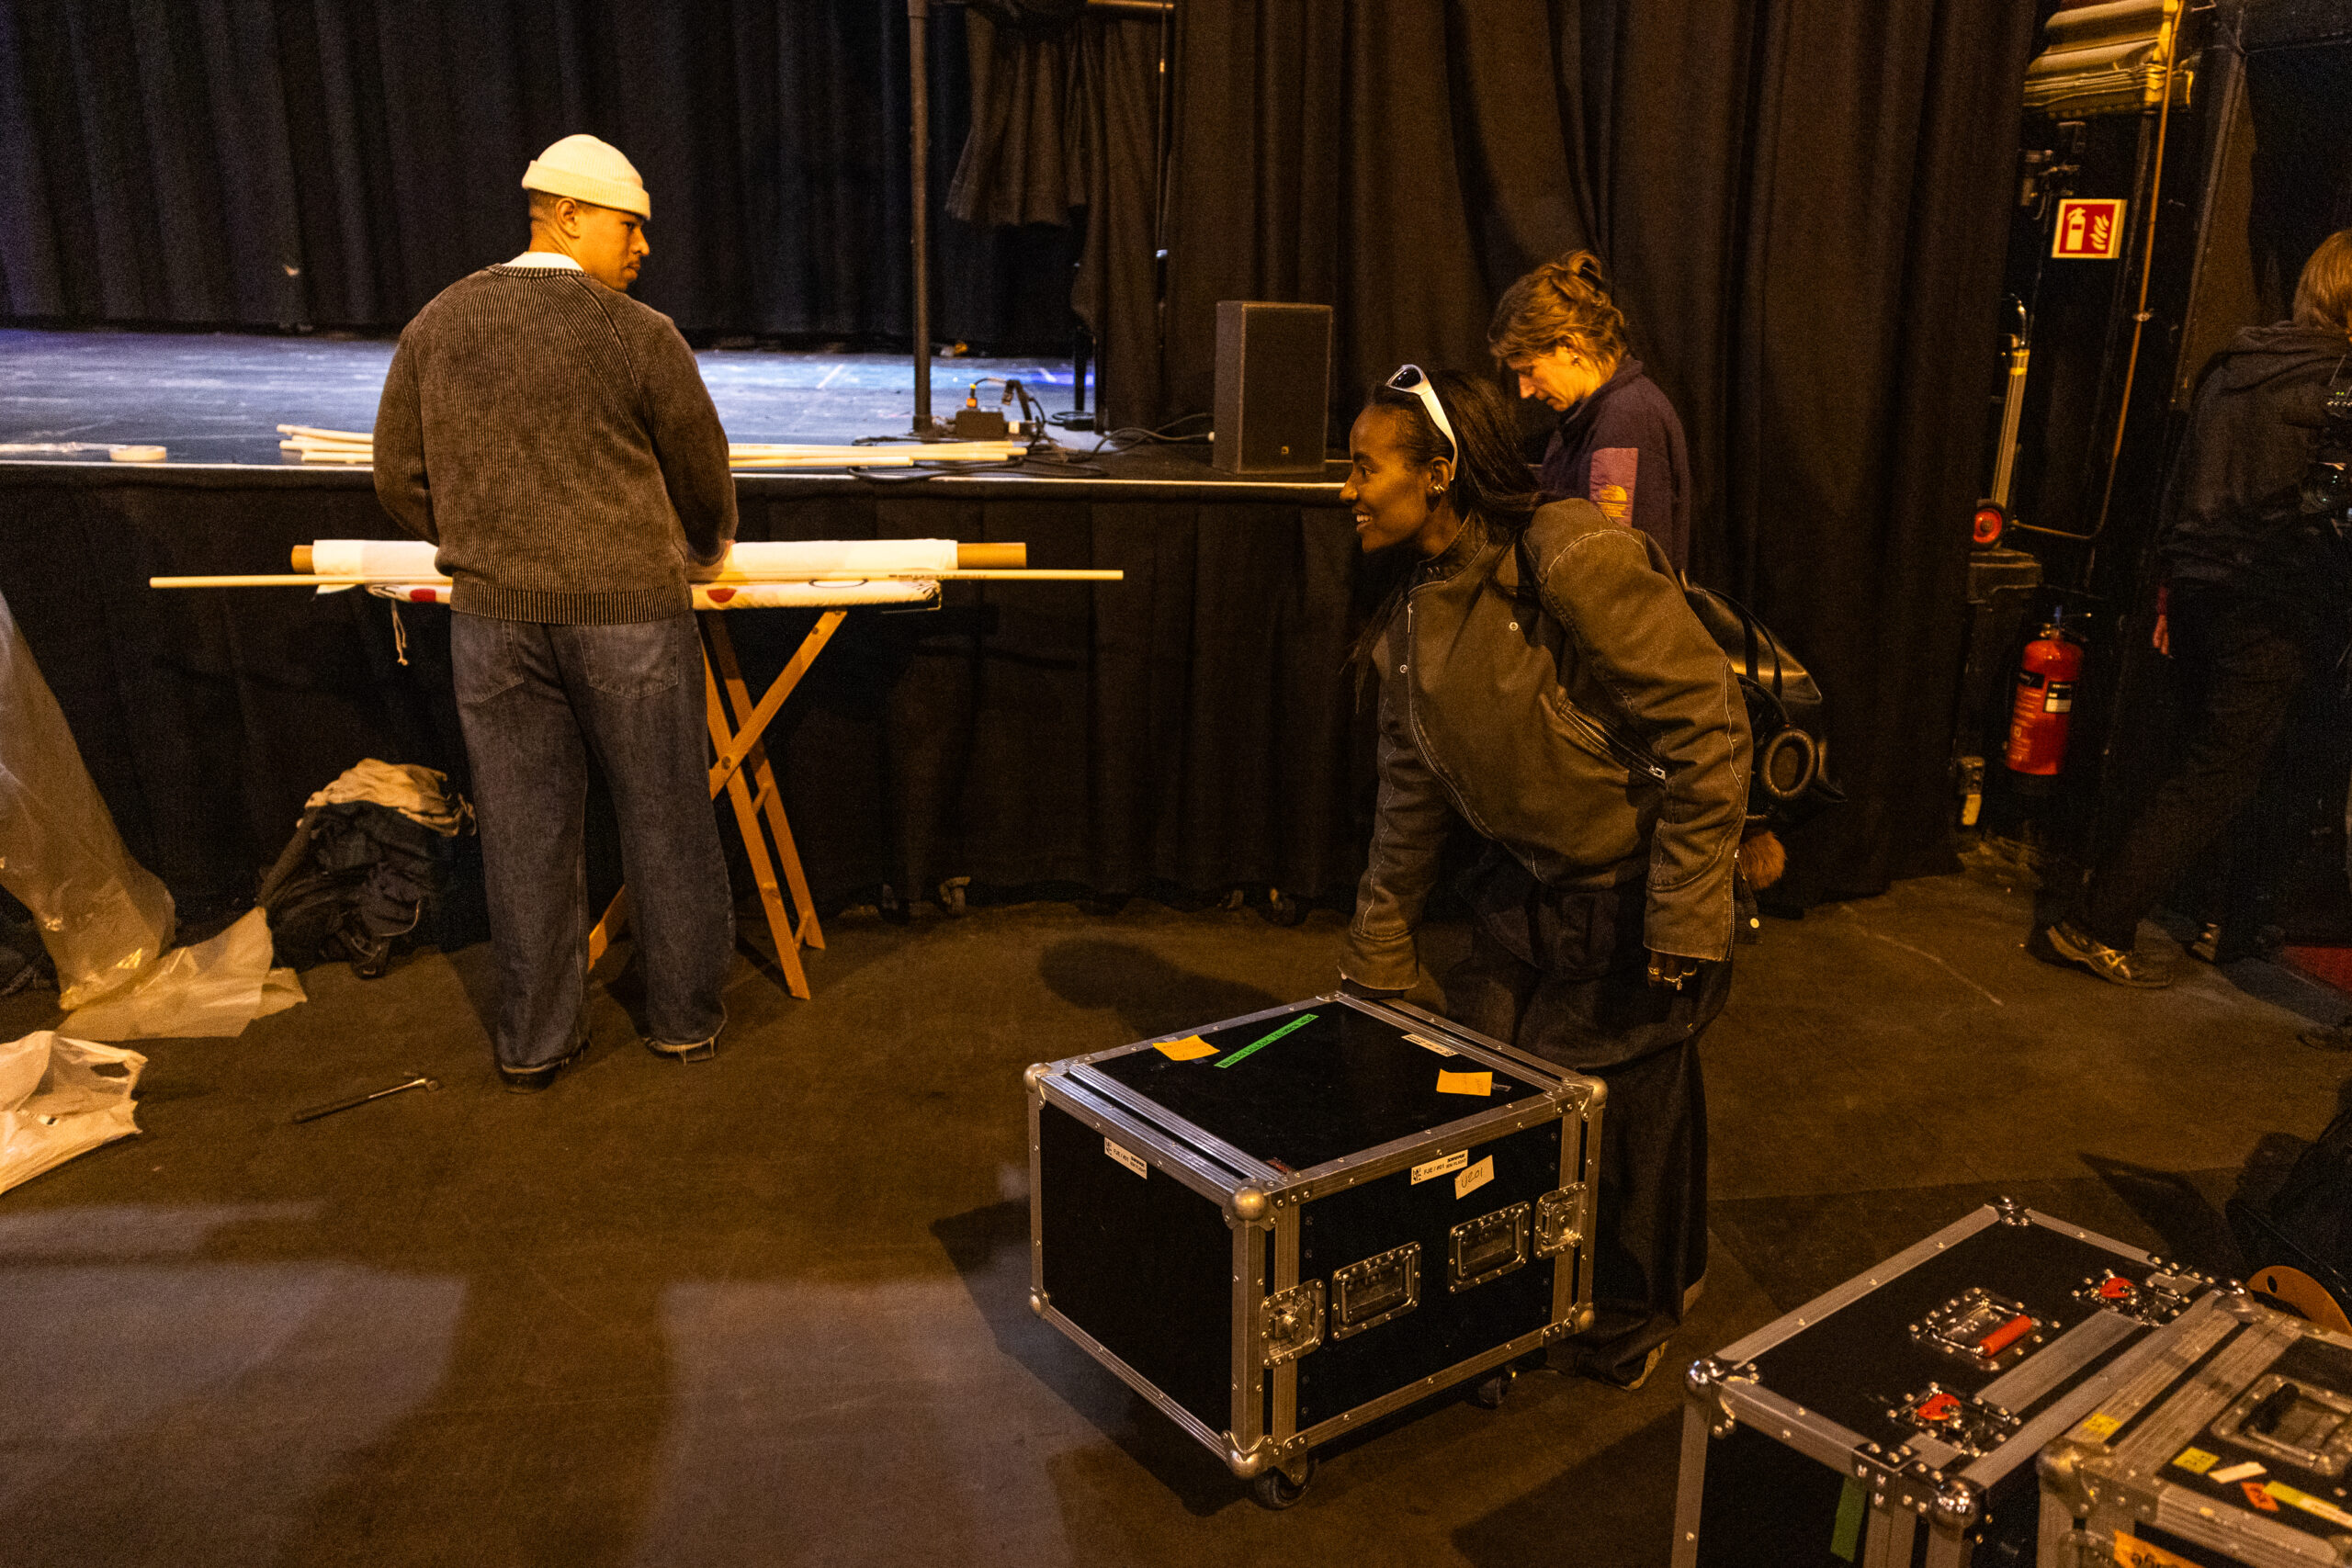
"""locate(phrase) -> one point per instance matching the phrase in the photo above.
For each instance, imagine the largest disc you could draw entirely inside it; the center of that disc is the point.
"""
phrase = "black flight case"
(2234, 1450)
(1282, 1226)
(1894, 1420)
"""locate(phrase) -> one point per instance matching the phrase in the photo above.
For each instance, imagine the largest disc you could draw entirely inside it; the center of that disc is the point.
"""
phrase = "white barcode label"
(1425, 1044)
(1438, 1167)
(1132, 1161)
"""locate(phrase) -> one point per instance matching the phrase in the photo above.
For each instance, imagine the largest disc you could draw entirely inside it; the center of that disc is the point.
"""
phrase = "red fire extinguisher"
(2045, 702)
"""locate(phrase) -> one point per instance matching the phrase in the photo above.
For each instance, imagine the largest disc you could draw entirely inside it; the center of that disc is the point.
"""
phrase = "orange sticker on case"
(1464, 1083)
(1192, 1048)
(2131, 1551)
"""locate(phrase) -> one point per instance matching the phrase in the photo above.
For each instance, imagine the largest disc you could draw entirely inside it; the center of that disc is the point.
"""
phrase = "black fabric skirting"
(1190, 727)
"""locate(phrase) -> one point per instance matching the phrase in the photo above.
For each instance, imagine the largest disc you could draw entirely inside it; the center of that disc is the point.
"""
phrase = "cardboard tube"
(991, 557)
(302, 559)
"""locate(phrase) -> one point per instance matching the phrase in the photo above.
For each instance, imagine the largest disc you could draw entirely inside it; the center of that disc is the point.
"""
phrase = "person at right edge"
(553, 437)
(2251, 609)
(1542, 678)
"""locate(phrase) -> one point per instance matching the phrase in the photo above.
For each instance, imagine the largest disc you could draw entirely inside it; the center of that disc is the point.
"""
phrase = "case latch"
(1556, 1213)
(1964, 1422)
(1381, 1286)
(1488, 1246)
(1290, 1323)
(2156, 1302)
(1989, 1332)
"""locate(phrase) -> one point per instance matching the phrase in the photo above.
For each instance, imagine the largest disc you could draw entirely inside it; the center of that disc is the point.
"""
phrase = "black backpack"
(1786, 714)
(1787, 719)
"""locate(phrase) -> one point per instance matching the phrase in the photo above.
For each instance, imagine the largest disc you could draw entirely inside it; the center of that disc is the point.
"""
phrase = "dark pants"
(534, 700)
(1563, 976)
(2244, 661)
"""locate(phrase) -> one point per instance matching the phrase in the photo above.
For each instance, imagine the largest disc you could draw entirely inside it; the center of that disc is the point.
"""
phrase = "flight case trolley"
(2231, 1451)
(1280, 1226)
(1894, 1420)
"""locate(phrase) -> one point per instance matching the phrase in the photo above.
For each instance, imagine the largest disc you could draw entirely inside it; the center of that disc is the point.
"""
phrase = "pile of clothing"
(379, 859)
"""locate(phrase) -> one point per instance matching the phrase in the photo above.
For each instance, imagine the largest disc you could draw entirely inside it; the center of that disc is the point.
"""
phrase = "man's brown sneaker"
(2067, 943)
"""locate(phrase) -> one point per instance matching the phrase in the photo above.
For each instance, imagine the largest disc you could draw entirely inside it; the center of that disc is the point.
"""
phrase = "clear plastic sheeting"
(103, 917)
(59, 1097)
(214, 987)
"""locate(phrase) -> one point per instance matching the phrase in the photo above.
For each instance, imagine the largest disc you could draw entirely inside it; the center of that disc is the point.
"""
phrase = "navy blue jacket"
(1622, 449)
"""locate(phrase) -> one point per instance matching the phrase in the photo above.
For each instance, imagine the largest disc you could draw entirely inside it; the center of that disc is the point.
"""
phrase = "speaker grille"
(1274, 387)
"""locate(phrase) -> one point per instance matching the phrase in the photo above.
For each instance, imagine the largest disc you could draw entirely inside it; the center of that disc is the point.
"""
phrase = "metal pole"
(919, 105)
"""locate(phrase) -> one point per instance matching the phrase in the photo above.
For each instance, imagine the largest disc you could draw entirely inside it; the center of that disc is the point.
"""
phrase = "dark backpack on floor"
(357, 878)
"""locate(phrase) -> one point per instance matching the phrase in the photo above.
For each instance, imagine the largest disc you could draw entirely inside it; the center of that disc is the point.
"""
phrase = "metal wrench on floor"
(417, 1080)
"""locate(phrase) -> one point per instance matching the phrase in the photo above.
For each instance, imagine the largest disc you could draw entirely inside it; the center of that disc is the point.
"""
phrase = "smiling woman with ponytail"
(1543, 682)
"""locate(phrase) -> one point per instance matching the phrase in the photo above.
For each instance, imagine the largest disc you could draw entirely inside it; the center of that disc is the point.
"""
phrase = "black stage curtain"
(339, 162)
(1066, 122)
(1187, 727)
(1804, 205)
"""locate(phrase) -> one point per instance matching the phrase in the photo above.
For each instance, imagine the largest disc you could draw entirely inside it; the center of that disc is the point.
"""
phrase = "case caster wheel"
(1488, 1393)
(1277, 1489)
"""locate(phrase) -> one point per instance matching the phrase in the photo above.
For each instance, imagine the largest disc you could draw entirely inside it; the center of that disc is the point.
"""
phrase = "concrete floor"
(771, 1309)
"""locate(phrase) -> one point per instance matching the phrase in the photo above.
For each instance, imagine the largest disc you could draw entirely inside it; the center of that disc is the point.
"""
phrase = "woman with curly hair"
(1619, 444)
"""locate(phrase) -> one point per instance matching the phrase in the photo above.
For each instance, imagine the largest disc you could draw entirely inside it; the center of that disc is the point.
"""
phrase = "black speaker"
(1274, 387)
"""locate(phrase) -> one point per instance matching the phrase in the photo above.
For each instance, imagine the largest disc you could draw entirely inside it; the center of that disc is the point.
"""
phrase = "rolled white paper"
(373, 557)
(724, 596)
(832, 558)
(814, 595)
(408, 560)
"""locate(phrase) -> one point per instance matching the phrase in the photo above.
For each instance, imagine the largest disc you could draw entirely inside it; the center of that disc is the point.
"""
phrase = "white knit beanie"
(585, 169)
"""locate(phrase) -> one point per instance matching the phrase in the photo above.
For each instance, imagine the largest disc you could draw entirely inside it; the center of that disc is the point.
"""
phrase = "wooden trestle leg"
(739, 748)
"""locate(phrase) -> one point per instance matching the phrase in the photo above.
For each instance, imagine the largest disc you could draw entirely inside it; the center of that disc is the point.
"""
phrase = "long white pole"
(725, 580)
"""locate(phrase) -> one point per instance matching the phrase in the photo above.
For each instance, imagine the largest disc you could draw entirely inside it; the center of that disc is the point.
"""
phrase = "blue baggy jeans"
(534, 700)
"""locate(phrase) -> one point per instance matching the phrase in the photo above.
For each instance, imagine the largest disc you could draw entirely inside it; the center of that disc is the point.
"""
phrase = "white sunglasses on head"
(1414, 380)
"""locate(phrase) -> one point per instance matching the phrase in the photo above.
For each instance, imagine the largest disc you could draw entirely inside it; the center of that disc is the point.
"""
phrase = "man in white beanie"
(553, 437)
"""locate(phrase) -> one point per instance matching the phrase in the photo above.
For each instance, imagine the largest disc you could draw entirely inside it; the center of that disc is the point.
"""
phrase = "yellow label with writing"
(2317, 1506)
(2197, 1461)
(1477, 1176)
(1192, 1048)
(2131, 1551)
(2099, 1426)
(1464, 1083)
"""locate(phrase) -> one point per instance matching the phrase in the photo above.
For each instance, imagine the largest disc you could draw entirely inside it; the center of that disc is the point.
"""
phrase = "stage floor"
(220, 396)
(773, 1309)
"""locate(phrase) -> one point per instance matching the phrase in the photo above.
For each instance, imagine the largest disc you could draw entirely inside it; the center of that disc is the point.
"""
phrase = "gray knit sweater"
(554, 438)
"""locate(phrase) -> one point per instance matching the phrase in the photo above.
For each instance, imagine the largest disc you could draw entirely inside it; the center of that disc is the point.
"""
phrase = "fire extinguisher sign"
(2089, 229)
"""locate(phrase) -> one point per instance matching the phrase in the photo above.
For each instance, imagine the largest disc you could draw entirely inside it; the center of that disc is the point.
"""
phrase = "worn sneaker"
(685, 1050)
(2065, 942)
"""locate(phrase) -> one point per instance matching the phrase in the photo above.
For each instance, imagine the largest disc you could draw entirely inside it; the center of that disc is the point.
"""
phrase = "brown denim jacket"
(1560, 696)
